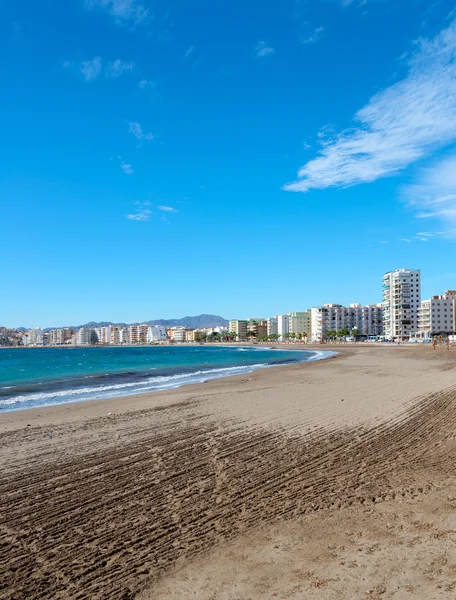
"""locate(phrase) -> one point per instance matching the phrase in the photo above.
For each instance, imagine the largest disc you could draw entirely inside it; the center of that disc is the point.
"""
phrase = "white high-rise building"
(103, 334)
(34, 337)
(283, 326)
(272, 326)
(85, 336)
(156, 333)
(401, 303)
(437, 315)
(335, 317)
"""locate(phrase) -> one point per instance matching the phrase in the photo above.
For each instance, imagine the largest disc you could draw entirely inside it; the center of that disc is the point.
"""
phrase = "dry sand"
(321, 480)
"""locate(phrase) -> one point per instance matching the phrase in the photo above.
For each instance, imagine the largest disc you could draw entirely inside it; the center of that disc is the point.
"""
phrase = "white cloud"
(136, 130)
(262, 49)
(401, 124)
(141, 213)
(189, 51)
(123, 11)
(168, 209)
(127, 168)
(312, 37)
(434, 194)
(146, 84)
(117, 67)
(91, 68)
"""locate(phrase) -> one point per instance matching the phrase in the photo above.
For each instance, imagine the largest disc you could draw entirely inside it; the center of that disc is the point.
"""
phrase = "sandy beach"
(331, 479)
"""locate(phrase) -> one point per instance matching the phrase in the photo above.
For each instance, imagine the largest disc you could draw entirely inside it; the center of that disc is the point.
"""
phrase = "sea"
(37, 377)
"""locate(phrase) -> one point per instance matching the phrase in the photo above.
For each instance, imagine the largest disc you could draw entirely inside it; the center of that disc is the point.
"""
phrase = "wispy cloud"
(126, 168)
(141, 212)
(117, 67)
(312, 36)
(189, 51)
(90, 69)
(434, 193)
(146, 84)
(167, 209)
(401, 124)
(135, 129)
(263, 49)
(123, 11)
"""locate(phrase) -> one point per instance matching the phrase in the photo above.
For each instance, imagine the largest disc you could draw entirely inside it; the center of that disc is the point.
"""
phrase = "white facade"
(34, 337)
(283, 326)
(335, 317)
(103, 334)
(272, 326)
(85, 336)
(401, 303)
(58, 337)
(438, 315)
(156, 333)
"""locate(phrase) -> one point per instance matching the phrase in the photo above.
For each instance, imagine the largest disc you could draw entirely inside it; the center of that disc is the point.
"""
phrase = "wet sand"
(187, 493)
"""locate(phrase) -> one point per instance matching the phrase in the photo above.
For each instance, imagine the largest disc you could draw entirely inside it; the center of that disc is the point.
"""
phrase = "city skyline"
(165, 157)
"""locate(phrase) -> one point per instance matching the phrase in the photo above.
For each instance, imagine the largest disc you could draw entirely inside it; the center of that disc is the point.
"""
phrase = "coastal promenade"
(310, 480)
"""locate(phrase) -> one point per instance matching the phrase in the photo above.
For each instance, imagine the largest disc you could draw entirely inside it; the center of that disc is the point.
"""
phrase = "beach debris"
(28, 425)
(49, 436)
(342, 399)
(109, 414)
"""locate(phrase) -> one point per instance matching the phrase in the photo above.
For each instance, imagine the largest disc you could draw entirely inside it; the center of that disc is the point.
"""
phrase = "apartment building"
(272, 326)
(283, 326)
(437, 315)
(137, 334)
(401, 303)
(156, 333)
(368, 320)
(190, 335)
(239, 328)
(34, 337)
(115, 333)
(85, 336)
(59, 337)
(300, 322)
(259, 327)
(103, 334)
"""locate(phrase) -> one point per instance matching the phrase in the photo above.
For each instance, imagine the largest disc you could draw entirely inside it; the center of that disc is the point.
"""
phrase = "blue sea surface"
(34, 377)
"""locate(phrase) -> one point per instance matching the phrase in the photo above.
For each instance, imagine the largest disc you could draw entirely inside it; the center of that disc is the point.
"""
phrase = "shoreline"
(175, 380)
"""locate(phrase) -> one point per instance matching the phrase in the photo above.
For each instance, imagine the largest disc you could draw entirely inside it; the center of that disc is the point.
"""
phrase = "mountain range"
(197, 322)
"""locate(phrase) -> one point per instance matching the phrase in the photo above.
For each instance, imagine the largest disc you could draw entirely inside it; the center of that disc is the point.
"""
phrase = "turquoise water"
(47, 376)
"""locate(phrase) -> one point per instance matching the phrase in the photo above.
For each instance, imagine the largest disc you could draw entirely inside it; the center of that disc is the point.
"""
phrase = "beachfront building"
(437, 315)
(401, 303)
(59, 337)
(85, 336)
(238, 328)
(283, 324)
(103, 335)
(190, 335)
(300, 323)
(367, 320)
(156, 333)
(34, 337)
(115, 333)
(258, 327)
(137, 334)
(272, 326)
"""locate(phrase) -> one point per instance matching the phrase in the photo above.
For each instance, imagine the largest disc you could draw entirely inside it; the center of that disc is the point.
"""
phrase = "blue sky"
(162, 158)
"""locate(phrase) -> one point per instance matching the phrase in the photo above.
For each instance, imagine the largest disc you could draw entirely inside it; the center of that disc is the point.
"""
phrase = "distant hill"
(198, 322)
